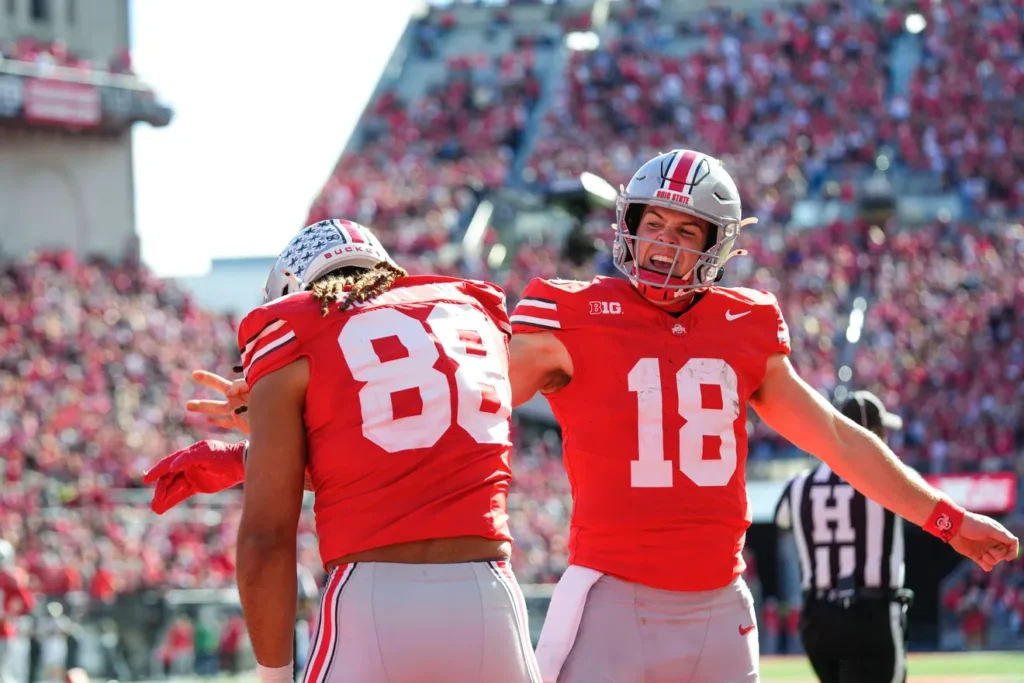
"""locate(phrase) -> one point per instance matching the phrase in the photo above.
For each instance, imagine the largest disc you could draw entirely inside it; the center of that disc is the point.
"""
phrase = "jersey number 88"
(464, 335)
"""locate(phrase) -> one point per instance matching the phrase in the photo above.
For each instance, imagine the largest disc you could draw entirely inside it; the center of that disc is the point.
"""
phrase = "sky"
(264, 101)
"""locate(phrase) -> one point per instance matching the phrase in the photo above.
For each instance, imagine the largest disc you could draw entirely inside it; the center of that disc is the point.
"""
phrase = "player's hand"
(985, 541)
(229, 413)
(204, 467)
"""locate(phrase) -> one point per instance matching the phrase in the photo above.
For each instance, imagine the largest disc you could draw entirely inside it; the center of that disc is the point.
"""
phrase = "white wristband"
(282, 674)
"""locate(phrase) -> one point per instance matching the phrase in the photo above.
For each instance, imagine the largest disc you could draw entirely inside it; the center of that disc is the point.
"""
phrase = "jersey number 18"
(652, 470)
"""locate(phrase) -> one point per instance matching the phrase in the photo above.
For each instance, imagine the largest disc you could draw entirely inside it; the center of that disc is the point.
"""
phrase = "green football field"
(980, 667)
(987, 667)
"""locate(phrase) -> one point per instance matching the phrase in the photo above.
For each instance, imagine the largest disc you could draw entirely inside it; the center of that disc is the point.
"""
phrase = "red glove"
(204, 467)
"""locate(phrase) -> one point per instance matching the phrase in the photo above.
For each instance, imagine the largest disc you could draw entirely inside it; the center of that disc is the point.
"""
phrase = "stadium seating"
(56, 53)
(943, 340)
(960, 107)
(984, 610)
(775, 97)
(99, 354)
(96, 360)
(419, 164)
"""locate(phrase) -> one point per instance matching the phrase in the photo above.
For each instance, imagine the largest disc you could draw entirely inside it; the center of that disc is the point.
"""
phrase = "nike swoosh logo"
(745, 631)
(729, 315)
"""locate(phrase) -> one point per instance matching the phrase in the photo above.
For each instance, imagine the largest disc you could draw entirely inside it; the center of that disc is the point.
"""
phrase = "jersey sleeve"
(492, 299)
(537, 310)
(267, 341)
(782, 343)
(767, 325)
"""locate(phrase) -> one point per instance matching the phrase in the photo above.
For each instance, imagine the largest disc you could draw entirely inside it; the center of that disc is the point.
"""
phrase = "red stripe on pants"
(325, 631)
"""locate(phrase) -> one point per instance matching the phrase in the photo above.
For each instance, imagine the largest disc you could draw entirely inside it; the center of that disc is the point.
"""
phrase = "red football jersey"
(407, 411)
(15, 600)
(654, 424)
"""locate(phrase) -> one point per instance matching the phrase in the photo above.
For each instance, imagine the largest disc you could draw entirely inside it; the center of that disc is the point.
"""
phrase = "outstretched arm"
(804, 417)
(537, 362)
(207, 466)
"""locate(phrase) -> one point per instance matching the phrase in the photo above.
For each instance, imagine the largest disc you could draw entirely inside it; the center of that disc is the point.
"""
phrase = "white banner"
(988, 493)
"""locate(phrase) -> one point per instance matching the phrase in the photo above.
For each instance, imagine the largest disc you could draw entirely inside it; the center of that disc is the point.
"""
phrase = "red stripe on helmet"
(677, 178)
(353, 232)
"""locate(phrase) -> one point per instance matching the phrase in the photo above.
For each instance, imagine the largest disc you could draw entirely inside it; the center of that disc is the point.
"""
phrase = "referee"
(853, 624)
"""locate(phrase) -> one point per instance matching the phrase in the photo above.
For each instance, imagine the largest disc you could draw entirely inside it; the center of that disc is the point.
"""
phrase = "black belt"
(847, 596)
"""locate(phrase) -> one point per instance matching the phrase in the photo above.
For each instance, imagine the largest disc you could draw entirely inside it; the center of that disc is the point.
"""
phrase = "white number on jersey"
(652, 470)
(484, 394)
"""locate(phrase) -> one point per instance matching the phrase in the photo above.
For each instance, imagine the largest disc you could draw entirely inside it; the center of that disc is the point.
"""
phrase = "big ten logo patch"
(605, 308)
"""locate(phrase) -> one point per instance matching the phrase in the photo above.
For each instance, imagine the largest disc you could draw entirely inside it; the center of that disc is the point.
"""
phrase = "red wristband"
(945, 520)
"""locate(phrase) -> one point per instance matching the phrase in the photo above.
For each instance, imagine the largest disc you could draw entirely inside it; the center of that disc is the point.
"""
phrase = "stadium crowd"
(420, 164)
(777, 98)
(959, 119)
(945, 340)
(96, 359)
(987, 609)
(99, 357)
(56, 53)
(96, 356)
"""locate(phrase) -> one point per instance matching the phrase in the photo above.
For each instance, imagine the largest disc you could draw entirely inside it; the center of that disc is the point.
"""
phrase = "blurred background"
(155, 156)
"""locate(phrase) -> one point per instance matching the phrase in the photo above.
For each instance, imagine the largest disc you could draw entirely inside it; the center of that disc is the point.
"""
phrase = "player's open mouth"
(662, 265)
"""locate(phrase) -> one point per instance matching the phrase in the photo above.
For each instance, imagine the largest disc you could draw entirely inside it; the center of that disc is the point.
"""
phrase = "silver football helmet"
(695, 184)
(320, 249)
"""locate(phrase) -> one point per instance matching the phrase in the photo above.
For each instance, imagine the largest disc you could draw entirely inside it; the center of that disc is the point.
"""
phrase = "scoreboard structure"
(65, 146)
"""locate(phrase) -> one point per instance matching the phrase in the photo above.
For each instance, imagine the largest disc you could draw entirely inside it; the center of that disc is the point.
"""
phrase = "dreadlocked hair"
(351, 285)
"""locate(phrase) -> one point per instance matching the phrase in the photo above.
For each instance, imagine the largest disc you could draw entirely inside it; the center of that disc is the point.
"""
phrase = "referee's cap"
(867, 410)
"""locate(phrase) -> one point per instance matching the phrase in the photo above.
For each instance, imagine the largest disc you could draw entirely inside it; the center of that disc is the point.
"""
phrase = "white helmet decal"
(320, 249)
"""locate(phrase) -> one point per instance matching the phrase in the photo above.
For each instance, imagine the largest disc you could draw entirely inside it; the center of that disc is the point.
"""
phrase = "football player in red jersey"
(16, 600)
(393, 392)
(650, 381)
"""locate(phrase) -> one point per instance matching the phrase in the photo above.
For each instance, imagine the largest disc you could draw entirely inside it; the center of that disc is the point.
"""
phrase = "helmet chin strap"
(658, 293)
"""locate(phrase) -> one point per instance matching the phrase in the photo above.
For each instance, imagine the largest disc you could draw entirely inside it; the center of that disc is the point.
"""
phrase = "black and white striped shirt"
(844, 541)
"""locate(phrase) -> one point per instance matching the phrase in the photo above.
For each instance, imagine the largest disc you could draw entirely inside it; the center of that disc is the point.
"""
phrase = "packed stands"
(56, 53)
(100, 353)
(96, 359)
(420, 165)
(985, 610)
(776, 98)
(959, 118)
(944, 340)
